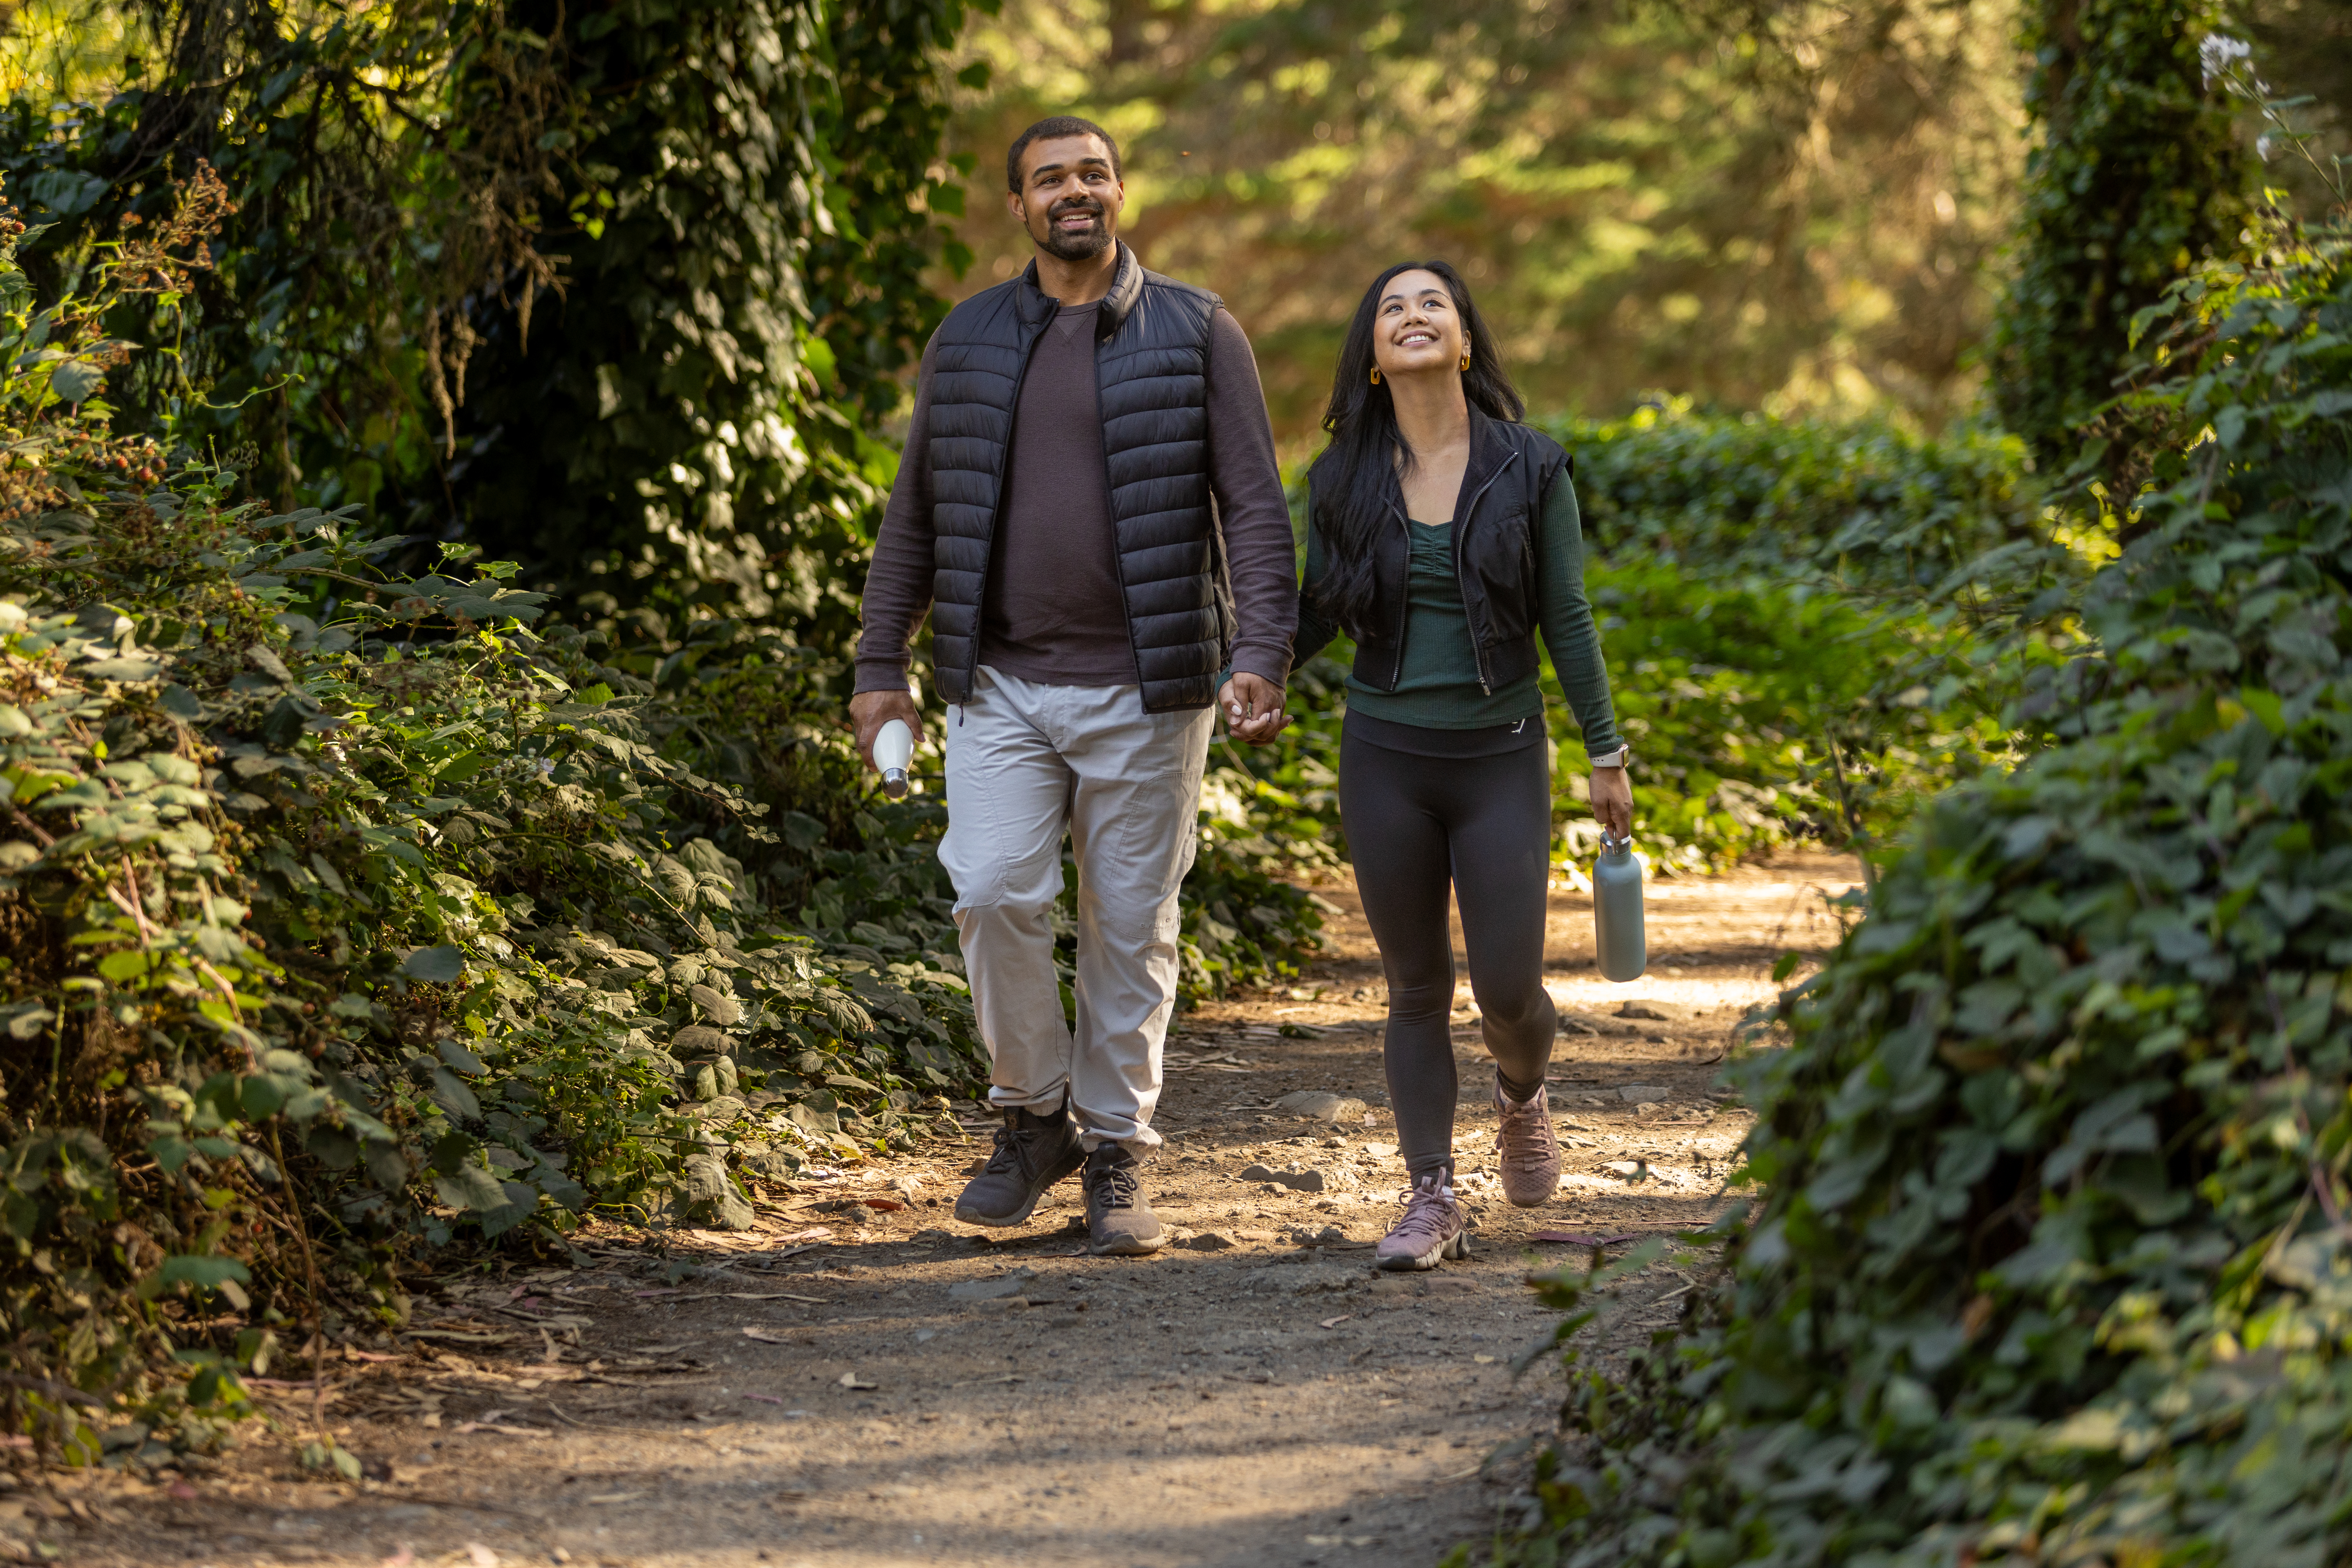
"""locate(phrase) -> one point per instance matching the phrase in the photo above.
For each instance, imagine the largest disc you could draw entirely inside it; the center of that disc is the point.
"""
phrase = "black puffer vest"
(1510, 472)
(1151, 356)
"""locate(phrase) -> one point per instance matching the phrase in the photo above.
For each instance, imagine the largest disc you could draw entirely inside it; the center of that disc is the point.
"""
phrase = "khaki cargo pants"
(1026, 763)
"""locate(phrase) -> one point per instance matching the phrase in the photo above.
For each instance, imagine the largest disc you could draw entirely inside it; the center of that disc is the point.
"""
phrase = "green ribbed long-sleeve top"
(1437, 682)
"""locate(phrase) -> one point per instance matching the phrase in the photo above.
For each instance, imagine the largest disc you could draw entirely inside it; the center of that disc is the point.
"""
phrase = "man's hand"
(869, 710)
(1253, 708)
(1613, 801)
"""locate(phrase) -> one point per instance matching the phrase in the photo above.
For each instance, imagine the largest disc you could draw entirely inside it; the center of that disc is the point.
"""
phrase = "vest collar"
(1490, 453)
(1126, 287)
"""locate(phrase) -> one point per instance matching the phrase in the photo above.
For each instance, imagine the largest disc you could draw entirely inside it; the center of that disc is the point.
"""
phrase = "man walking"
(1088, 504)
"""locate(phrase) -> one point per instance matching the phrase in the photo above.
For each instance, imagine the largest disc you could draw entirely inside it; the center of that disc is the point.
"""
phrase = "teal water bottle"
(1618, 942)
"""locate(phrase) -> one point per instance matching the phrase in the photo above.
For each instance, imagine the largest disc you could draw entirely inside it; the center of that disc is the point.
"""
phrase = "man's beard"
(1081, 247)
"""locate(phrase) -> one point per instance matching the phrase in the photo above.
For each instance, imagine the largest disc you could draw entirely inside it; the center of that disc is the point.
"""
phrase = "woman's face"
(1415, 330)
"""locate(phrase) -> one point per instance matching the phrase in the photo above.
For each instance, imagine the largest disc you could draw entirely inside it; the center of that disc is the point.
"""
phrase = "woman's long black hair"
(1354, 475)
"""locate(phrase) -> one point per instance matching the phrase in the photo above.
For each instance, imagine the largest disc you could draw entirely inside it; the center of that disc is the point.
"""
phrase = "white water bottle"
(893, 748)
(1618, 944)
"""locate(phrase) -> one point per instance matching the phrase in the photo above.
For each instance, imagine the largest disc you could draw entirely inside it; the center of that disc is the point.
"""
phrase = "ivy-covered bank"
(2050, 1259)
(350, 915)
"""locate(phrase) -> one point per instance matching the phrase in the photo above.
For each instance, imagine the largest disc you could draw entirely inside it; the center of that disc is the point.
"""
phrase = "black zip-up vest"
(1510, 472)
(1151, 355)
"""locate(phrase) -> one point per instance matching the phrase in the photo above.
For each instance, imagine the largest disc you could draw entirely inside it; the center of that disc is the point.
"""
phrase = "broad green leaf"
(440, 965)
(470, 1187)
(449, 1091)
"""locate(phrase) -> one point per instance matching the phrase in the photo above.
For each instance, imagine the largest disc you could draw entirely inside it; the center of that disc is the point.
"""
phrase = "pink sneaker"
(1434, 1226)
(1529, 1153)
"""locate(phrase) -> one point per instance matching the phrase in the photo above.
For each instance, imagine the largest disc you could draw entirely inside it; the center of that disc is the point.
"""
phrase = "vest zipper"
(1110, 510)
(1404, 604)
(1461, 533)
(1118, 556)
(996, 501)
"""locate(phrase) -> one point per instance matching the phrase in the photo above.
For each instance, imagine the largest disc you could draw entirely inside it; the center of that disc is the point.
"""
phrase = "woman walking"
(1442, 535)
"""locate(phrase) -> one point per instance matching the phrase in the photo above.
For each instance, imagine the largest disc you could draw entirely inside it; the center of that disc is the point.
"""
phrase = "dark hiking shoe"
(1119, 1217)
(1032, 1153)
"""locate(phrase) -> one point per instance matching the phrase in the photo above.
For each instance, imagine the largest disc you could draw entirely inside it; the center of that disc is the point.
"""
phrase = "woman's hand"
(1253, 708)
(1613, 801)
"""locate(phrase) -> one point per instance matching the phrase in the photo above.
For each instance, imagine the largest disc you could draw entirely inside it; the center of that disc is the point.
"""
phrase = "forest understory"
(860, 1379)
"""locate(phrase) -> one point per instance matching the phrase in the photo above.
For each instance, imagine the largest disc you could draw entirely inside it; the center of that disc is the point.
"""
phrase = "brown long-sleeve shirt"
(1053, 611)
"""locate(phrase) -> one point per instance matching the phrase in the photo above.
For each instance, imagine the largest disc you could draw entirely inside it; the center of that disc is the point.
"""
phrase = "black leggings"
(1481, 825)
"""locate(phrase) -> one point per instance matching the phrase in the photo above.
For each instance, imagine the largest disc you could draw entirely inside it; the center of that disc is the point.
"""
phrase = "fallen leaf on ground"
(815, 1233)
(1335, 1323)
(1573, 1240)
(616, 1497)
(767, 1336)
(851, 1380)
(765, 1398)
(888, 1206)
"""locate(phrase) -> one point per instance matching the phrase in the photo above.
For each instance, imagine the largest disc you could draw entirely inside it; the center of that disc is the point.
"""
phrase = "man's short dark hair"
(1059, 126)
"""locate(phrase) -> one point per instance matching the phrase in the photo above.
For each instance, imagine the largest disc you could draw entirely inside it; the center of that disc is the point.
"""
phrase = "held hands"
(1253, 708)
(869, 710)
(1613, 801)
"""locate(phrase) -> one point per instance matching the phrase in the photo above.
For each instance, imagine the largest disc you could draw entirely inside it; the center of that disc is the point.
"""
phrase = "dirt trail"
(855, 1385)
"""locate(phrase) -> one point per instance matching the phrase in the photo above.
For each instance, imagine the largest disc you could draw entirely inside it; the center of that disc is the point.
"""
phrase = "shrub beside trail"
(2051, 1260)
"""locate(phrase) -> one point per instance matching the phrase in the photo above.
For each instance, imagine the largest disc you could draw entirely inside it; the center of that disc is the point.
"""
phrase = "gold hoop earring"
(1376, 375)
(1465, 356)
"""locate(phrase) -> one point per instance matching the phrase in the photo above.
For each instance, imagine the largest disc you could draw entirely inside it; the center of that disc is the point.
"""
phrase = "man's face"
(1069, 199)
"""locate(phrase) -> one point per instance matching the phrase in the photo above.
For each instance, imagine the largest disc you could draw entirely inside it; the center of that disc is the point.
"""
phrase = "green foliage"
(1810, 625)
(617, 290)
(1763, 206)
(2137, 178)
(1762, 715)
(1246, 921)
(2051, 1260)
(665, 435)
(344, 914)
(1862, 508)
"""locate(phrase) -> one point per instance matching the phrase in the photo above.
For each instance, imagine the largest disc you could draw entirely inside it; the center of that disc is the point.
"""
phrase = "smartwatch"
(1618, 758)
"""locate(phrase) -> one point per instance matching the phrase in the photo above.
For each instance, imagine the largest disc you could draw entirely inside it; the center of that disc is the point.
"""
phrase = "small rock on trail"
(1323, 1105)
